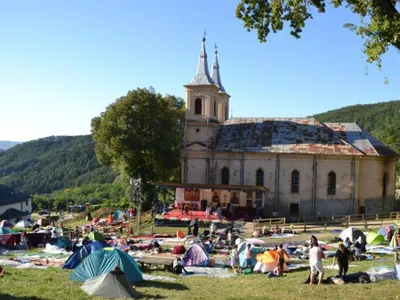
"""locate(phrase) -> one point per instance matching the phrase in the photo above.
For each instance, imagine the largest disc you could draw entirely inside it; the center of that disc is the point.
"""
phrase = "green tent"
(96, 236)
(104, 261)
(374, 238)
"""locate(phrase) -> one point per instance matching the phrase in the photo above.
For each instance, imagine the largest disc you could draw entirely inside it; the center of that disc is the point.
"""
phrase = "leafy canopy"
(379, 20)
(140, 134)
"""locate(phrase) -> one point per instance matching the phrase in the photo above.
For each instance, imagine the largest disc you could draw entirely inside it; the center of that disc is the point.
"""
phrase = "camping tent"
(394, 243)
(23, 224)
(5, 224)
(382, 230)
(267, 261)
(242, 253)
(196, 256)
(63, 242)
(375, 238)
(109, 285)
(4, 230)
(353, 234)
(82, 253)
(105, 260)
(117, 215)
(43, 222)
(96, 236)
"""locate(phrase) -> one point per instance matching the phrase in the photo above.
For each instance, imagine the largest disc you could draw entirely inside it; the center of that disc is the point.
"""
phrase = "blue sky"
(63, 62)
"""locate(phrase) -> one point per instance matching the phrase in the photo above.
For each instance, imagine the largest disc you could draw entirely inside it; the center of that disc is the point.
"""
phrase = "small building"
(14, 205)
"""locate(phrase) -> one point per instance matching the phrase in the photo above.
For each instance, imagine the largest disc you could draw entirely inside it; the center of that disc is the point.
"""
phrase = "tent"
(63, 243)
(23, 224)
(267, 262)
(180, 234)
(43, 212)
(96, 236)
(375, 238)
(4, 230)
(242, 253)
(353, 234)
(104, 261)
(43, 222)
(5, 224)
(382, 230)
(117, 215)
(109, 285)
(394, 243)
(195, 256)
(79, 255)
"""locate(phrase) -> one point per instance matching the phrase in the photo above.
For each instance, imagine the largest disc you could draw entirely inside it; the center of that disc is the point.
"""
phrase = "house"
(307, 167)
(14, 205)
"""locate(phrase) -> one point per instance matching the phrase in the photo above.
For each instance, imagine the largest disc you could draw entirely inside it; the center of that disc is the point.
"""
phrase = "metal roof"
(12, 213)
(296, 135)
(11, 196)
(216, 77)
(204, 186)
(202, 75)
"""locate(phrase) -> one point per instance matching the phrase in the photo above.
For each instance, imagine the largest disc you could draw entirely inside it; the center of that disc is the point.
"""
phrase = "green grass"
(53, 283)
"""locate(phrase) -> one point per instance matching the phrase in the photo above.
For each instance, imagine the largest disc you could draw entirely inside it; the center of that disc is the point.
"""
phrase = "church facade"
(308, 167)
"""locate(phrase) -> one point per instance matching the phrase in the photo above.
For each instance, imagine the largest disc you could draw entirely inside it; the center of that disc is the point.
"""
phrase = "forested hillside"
(52, 163)
(382, 120)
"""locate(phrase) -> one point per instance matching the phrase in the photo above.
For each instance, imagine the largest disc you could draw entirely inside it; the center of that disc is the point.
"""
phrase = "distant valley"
(5, 145)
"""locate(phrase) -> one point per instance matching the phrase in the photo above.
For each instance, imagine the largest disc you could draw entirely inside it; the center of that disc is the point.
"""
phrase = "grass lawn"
(53, 283)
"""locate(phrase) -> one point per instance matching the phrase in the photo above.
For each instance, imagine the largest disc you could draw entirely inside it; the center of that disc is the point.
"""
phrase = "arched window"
(331, 183)
(215, 108)
(295, 181)
(226, 112)
(225, 176)
(384, 184)
(259, 182)
(197, 106)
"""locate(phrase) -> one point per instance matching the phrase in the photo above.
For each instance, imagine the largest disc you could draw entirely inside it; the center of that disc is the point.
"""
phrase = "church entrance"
(293, 209)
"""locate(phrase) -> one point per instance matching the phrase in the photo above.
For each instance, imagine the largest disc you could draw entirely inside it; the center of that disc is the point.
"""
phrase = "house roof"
(12, 213)
(11, 196)
(297, 135)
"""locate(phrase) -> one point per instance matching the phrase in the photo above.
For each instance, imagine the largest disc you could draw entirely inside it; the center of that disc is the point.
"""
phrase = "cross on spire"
(216, 48)
(204, 35)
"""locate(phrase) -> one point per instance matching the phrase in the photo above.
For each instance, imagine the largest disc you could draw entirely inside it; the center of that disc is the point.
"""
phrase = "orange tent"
(180, 234)
(268, 261)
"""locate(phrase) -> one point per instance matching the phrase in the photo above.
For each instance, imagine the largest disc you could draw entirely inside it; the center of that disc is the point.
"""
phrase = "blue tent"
(117, 215)
(63, 242)
(242, 253)
(382, 230)
(74, 260)
(4, 230)
(104, 261)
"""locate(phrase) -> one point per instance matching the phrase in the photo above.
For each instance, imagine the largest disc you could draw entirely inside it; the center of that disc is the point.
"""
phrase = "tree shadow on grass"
(163, 285)
(9, 297)
(148, 296)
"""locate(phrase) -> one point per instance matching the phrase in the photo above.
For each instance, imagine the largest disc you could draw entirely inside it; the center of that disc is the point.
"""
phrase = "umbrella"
(96, 236)
(193, 222)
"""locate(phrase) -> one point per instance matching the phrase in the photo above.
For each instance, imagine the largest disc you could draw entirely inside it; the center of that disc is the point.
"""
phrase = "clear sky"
(63, 62)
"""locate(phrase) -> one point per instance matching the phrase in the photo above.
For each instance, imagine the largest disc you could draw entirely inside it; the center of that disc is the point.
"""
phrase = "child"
(248, 256)
(235, 259)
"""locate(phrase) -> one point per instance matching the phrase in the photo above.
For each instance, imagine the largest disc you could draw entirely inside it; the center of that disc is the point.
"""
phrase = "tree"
(379, 20)
(140, 134)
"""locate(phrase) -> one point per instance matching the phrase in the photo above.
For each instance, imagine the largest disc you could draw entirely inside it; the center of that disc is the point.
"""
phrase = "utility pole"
(136, 197)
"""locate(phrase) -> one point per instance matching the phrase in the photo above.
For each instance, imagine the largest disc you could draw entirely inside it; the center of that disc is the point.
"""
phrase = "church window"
(226, 112)
(215, 108)
(295, 181)
(225, 176)
(198, 106)
(259, 182)
(331, 183)
(384, 184)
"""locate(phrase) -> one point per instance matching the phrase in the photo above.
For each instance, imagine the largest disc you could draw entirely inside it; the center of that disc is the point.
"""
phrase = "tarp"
(117, 215)
(375, 238)
(74, 260)
(196, 256)
(353, 234)
(104, 261)
(96, 236)
(23, 224)
(109, 285)
(5, 223)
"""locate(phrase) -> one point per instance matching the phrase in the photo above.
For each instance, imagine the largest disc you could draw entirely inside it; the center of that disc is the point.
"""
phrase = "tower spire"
(215, 72)
(202, 75)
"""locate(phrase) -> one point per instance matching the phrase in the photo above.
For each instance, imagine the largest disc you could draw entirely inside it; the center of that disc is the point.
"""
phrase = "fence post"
(325, 226)
(305, 227)
(377, 217)
(347, 223)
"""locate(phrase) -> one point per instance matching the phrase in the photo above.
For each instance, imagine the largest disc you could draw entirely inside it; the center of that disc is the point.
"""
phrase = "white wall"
(27, 207)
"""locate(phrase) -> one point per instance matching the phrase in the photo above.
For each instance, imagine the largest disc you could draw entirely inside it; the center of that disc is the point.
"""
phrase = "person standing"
(342, 257)
(282, 254)
(235, 259)
(316, 256)
(196, 228)
(208, 211)
(248, 256)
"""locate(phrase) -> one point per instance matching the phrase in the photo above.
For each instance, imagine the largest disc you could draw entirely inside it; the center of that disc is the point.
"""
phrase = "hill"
(382, 120)
(5, 145)
(52, 163)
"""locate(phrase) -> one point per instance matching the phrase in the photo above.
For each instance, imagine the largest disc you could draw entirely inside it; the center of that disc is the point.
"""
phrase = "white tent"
(23, 224)
(353, 234)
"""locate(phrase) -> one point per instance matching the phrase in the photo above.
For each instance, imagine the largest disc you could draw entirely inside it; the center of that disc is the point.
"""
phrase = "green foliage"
(51, 164)
(382, 120)
(379, 20)
(140, 134)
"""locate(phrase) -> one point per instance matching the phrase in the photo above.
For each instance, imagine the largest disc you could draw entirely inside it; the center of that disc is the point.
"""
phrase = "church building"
(302, 167)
